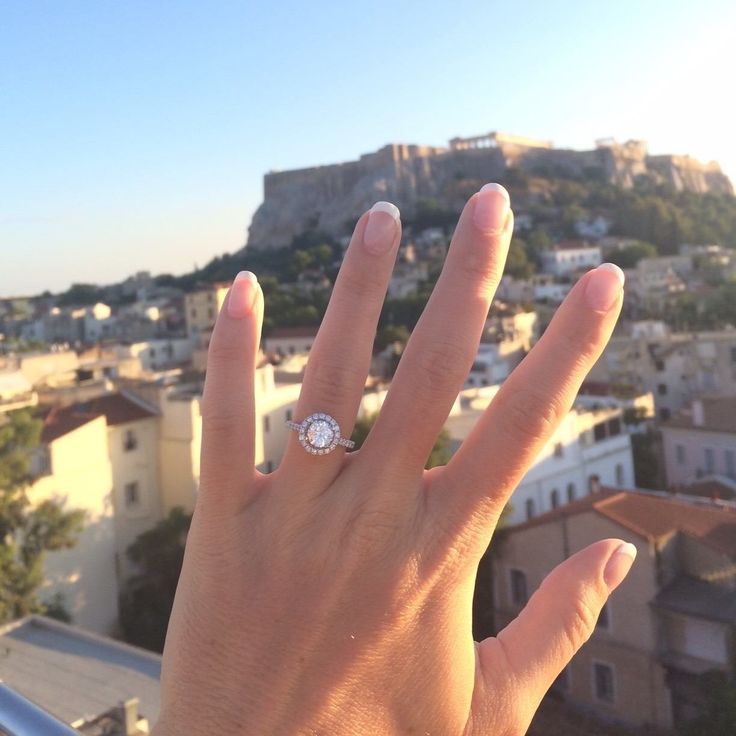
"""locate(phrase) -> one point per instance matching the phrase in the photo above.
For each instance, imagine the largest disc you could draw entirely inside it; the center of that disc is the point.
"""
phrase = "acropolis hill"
(330, 198)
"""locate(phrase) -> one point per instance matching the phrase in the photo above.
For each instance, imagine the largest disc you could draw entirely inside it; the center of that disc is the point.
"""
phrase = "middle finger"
(445, 341)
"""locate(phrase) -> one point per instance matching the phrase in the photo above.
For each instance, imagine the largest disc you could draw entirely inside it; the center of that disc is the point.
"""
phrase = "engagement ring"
(319, 434)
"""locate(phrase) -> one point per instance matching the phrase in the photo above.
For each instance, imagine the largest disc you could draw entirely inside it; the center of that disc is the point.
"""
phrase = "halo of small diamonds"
(319, 433)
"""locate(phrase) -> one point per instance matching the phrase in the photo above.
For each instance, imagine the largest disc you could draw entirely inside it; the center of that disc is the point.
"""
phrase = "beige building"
(73, 467)
(700, 441)
(672, 619)
(201, 307)
(100, 456)
(284, 341)
(16, 391)
(675, 367)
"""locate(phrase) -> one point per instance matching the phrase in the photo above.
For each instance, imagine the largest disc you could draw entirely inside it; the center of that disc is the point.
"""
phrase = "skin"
(333, 596)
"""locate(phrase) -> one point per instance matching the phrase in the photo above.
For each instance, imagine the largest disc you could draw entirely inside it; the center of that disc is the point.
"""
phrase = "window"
(614, 427)
(558, 449)
(132, 494)
(680, 454)
(604, 619)
(664, 414)
(194, 314)
(570, 492)
(662, 389)
(519, 593)
(619, 474)
(599, 432)
(289, 415)
(728, 457)
(710, 461)
(130, 441)
(603, 681)
(594, 483)
(659, 365)
(529, 505)
(266, 423)
(554, 498)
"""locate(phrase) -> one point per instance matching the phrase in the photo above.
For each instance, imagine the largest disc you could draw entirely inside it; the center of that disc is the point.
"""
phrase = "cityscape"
(101, 387)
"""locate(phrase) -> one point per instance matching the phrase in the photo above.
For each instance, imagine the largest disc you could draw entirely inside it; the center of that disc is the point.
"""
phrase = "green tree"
(518, 264)
(629, 256)
(440, 451)
(145, 605)
(28, 532)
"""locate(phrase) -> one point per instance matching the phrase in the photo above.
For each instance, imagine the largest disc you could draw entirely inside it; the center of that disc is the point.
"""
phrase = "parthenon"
(495, 139)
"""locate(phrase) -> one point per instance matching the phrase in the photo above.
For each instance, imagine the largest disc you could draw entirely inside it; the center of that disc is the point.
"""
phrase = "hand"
(333, 596)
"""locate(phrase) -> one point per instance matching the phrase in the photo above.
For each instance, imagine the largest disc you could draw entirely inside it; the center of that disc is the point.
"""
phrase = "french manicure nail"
(491, 208)
(380, 230)
(242, 295)
(619, 564)
(604, 286)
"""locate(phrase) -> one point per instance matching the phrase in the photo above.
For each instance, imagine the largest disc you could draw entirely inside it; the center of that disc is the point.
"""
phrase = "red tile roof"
(653, 517)
(117, 408)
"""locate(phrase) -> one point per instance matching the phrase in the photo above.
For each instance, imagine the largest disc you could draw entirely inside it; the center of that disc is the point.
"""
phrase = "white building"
(158, 354)
(590, 449)
(570, 257)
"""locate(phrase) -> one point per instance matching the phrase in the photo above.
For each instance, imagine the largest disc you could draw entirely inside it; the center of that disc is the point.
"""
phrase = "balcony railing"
(20, 717)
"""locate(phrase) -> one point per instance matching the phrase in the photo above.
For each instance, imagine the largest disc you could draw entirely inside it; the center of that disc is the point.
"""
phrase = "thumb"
(560, 617)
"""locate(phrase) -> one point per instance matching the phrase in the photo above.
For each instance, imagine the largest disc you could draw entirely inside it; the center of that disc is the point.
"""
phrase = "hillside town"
(114, 377)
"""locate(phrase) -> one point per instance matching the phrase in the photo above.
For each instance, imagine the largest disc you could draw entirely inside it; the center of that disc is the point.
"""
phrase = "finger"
(228, 402)
(445, 341)
(558, 619)
(340, 357)
(531, 403)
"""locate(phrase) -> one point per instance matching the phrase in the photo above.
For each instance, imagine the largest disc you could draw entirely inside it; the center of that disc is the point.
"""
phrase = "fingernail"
(618, 565)
(604, 287)
(491, 208)
(242, 295)
(380, 230)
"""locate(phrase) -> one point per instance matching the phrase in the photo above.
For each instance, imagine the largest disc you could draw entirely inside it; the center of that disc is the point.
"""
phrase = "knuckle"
(336, 380)
(224, 352)
(359, 285)
(579, 621)
(531, 416)
(442, 364)
(480, 266)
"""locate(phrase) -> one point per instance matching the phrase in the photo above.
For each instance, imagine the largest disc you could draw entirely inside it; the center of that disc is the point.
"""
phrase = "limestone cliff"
(330, 198)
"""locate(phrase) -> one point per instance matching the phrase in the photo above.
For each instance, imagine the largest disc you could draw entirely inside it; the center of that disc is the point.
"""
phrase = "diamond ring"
(319, 434)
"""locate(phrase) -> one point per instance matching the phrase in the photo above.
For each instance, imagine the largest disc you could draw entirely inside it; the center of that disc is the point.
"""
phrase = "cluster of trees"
(27, 531)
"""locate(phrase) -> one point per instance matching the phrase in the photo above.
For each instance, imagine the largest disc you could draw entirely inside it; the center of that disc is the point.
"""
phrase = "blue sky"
(135, 135)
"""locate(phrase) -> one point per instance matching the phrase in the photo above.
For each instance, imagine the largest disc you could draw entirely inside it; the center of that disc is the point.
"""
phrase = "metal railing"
(20, 717)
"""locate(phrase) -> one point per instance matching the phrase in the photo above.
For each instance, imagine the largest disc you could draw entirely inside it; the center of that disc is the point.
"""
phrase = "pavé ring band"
(319, 434)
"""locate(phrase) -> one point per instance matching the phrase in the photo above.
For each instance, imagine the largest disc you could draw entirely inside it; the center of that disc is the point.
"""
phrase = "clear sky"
(134, 135)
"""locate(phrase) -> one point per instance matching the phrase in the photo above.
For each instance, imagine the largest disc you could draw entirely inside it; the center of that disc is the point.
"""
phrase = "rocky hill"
(330, 198)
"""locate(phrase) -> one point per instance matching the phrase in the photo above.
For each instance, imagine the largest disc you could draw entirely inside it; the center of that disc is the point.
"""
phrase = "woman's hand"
(334, 595)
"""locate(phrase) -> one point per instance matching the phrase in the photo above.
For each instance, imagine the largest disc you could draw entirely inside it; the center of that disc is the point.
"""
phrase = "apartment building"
(674, 367)
(202, 306)
(591, 447)
(671, 620)
(284, 341)
(700, 441)
(569, 257)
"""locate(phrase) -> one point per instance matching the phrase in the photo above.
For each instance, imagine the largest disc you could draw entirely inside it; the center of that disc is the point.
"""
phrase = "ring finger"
(340, 357)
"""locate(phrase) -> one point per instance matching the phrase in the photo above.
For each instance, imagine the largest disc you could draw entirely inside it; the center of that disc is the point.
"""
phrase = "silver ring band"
(319, 434)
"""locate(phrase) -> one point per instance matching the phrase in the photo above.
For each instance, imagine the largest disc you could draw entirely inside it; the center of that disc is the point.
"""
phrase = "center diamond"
(320, 434)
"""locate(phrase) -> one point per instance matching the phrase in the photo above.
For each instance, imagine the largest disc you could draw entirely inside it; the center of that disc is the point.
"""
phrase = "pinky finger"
(228, 403)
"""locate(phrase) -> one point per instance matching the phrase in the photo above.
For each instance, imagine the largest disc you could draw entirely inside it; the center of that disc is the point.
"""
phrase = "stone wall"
(331, 198)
